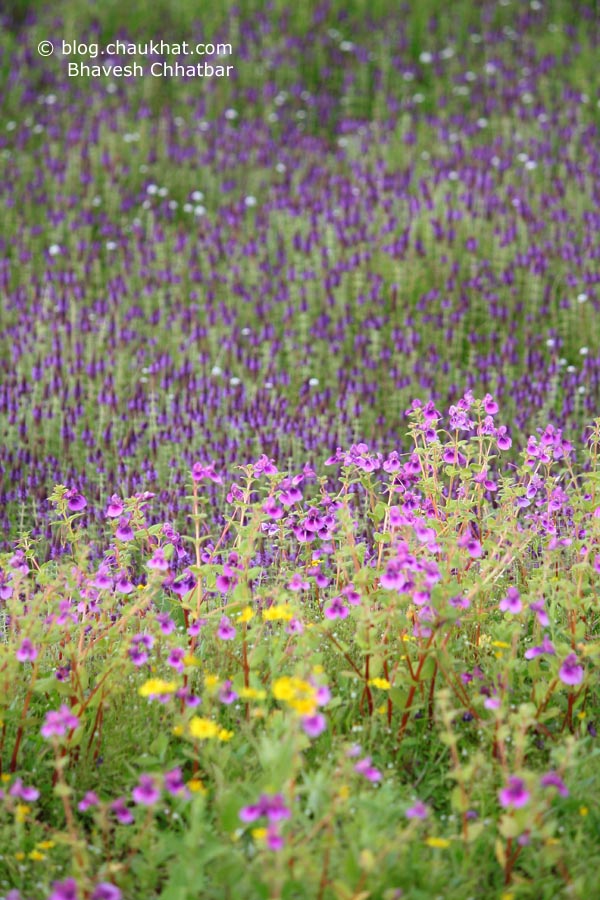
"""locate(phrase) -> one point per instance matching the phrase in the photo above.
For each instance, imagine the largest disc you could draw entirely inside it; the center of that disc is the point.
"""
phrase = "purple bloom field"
(299, 478)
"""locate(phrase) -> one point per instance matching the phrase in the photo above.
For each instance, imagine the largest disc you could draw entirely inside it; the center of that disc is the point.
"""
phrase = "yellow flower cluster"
(277, 613)
(381, 683)
(206, 730)
(156, 686)
(250, 693)
(299, 695)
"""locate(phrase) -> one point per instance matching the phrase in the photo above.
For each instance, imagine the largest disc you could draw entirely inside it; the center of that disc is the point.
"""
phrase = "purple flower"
(115, 507)
(571, 672)
(166, 623)
(174, 783)
(88, 800)
(226, 694)
(515, 794)
(274, 839)
(418, 811)
(158, 560)
(273, 808)
(146, 793)
(27, 652)
(336, 609)
(24, 792)
(200, 471)
(6, 590)
(471, 545)
(226, 631)
(122, 813)
(64, 890)
(124, 531)
(314, 725)
(512, 602)
(545, 647)
(553, 779)
(123, 585)
(106, 891)
(537, 607)
(297, 583)
(175, 659)
(59, 722)
(364, 767)
(75, 500)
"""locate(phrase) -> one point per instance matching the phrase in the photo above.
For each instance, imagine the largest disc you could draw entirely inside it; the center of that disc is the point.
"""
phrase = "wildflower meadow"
(300, 456)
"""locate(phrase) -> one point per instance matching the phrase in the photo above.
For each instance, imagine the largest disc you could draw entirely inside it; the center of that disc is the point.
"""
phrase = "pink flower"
(27, 652)
(364, 767)
(314, 725)
(145, 793)
(225, 631)
(418, 811)
(59, 722)
(515, 794)
(553, 779)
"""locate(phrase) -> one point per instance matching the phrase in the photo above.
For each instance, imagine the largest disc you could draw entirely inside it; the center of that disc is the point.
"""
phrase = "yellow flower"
(583, 810)
(45, 845)
(507, 895)
(196, 786)
(381, 683)
(177, 730)
(382, 709)
(36, 856)
(581, 715)
(5, 777)
(141, 587)
(203, 729)
(156, 686)
(502, 644)
(21, 810)
(300, 695)
(225, 735)
(250, 693)
(344, 792)
(259, 833)
(246, 614)
(19, 855)
(283, 688)
(440, 843)
(191, 660)
(211, 681)
(274, 613)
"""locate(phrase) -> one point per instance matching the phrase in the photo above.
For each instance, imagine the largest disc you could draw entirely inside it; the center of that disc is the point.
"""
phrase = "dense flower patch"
(374, 208)
(340, 677)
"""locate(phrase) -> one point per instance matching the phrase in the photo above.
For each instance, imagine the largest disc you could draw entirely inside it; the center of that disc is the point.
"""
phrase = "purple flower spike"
(515, 794)
(571, 672)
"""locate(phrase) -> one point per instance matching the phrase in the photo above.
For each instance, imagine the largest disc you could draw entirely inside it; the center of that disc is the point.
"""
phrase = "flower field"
(299, 470)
